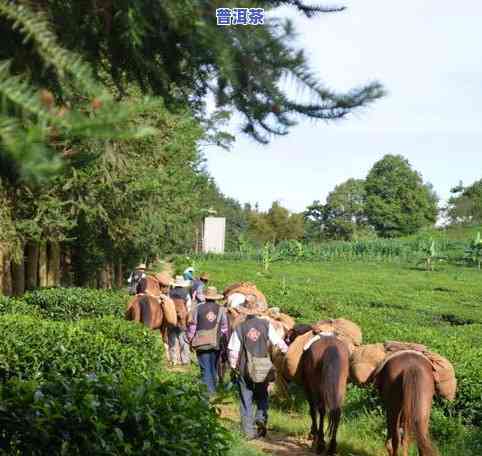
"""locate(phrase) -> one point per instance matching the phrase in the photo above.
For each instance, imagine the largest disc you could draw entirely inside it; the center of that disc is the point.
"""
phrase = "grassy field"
(442, 309)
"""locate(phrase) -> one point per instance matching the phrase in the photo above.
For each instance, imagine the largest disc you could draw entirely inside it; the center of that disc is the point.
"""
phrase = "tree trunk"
(119, 279)
(66, 277)
(18, 276)
(53, 269)
(110, 275)
(32, 266)
(42, 265)
(7, 277)
(2, 268)
(102, 278)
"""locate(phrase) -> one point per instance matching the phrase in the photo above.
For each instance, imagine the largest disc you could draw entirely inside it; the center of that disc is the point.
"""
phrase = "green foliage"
(397, 201)
(378, 250)
(105, 415)
(275, 225)
(94, 386)
(430, 255)
(70, 304)
(343, 215)
(465, 206)
(473, 253)
(35, 132)
(177, 51)
(32, 348)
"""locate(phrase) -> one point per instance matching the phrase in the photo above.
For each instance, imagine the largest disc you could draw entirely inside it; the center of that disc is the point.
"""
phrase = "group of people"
(208, 330)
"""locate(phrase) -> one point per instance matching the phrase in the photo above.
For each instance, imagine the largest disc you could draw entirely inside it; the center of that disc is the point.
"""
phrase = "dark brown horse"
(407, 387)
(324, 368)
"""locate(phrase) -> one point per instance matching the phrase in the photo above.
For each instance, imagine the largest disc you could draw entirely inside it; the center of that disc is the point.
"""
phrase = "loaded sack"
(368, 360)
(344, 330)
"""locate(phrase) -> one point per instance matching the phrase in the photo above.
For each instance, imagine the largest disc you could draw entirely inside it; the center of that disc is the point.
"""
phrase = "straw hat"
(212, 294)
(141, 266)
(180, 282)
(204, 276)
(164, 279)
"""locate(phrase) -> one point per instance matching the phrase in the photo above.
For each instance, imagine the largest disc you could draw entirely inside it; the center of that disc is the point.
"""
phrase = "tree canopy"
(277, 224)
(465, 206)
(176, 50)
(398, 202)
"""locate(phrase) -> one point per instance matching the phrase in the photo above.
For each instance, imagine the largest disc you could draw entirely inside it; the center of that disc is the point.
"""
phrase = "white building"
(213, 234)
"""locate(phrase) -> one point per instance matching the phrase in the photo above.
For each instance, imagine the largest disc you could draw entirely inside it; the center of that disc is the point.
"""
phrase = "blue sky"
(428, 55)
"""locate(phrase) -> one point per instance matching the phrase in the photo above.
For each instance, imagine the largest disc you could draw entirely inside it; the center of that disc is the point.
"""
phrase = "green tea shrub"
(76, 303)
(17, 306)
(32, 348)
(106, 415)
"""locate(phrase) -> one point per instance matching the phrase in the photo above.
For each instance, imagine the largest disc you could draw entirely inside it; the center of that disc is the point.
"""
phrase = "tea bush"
(32, 348)
(105, 415)
(76, 303)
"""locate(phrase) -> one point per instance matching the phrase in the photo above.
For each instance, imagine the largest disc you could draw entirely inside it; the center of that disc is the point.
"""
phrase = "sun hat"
(180, 282)
(164, 279)
(236, 299)
(204, 276)
(141, 266)
(212, 294)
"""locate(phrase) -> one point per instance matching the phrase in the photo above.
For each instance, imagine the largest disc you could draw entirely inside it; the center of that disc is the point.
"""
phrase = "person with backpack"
(135, 277)
(208, 325)
(249, 358)
(179, 352)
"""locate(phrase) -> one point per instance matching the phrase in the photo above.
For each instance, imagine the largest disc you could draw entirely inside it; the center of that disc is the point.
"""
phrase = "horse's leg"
(320, 444)
(334, 418)
(314, 416)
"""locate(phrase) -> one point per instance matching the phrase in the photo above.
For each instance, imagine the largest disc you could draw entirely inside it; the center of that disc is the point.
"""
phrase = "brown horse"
(324, 370)
(407, 387)
(147, 310)
(181, 312)
(149, 285)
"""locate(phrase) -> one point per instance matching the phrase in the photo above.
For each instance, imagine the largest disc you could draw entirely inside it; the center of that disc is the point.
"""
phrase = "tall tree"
(465, 206)
(397, 200)
(176, 50)
(276, 225)
(344, 212)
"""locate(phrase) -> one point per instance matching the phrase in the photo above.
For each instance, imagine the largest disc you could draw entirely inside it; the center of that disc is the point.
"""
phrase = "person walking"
(198, 286)
(249, 348)
(208, 325)
(136, 276)
(179, 351)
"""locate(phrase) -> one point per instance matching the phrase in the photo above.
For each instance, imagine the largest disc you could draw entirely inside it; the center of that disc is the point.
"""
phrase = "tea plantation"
(77, 379)
(390, 301)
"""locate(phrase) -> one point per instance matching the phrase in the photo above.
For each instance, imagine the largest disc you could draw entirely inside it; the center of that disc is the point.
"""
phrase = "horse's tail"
(145, 308)
(332, 391)
(413, 412)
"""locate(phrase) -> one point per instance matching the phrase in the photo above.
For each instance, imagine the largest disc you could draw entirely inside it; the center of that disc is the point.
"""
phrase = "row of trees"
(103, 110)
(392, 201)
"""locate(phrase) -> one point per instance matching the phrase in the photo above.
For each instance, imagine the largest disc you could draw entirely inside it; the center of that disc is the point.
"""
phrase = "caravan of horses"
(322, 358)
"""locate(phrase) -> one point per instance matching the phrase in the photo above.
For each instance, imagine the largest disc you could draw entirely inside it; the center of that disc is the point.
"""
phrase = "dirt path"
(279, 444)
(275, 443)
